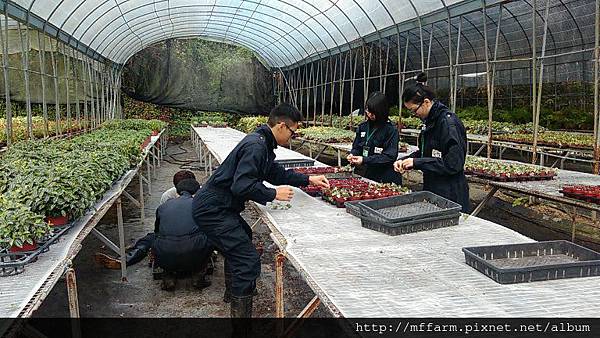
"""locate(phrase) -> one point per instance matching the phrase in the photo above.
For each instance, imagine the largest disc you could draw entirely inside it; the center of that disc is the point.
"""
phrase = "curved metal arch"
(349, 43)
(169, 9)
(574, 21)
(220, 6)
(195, 33)
(307, 26)
(225, 15)
(308, 40)
(246, 41)
(123, 51)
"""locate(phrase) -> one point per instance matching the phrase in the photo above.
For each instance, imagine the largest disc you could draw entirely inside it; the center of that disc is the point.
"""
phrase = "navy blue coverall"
(179, 245)
(382, 143)
(441, 155)
(217, 205)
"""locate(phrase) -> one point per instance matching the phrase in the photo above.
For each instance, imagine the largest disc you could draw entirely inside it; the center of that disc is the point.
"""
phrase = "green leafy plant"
(327, 134)
(19, 225)
(248, 124)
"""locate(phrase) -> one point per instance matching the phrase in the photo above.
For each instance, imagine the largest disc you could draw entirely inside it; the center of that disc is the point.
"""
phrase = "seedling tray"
(511, 178)
(295, 163)
(408, 207)
(13, 263)
(407, 227)
(531, 262)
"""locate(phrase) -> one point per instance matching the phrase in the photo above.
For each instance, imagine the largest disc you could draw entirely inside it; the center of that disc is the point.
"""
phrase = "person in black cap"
(180, 246)
(376, 143)
(217, 206)
(442, 145)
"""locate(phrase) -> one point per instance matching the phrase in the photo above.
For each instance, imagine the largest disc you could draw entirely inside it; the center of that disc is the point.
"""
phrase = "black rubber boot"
(200, 281)
(241, 307)
(227, 293)
(135, 256)
(168, 281)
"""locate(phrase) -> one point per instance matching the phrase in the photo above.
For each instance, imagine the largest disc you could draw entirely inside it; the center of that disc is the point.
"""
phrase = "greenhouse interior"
(297, 160)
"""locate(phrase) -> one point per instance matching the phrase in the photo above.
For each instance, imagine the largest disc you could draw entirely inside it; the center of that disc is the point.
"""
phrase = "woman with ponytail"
(376, 143)
(442, 145)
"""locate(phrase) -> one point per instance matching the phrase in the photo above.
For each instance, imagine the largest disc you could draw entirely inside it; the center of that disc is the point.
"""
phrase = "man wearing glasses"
(217, 205)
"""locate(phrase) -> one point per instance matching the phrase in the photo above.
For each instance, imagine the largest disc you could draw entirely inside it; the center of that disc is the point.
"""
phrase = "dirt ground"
(102, 294)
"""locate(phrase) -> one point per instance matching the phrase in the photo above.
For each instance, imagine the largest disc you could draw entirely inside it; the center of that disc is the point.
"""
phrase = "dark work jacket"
(383, 151)
(179, 244)
(441, 156)
(240, 178)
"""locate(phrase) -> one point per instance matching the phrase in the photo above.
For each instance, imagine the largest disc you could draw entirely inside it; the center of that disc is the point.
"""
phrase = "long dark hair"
(378, 105)
(418, 91)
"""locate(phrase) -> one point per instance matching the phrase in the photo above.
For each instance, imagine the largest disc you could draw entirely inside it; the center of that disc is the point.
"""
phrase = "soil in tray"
(531, 261)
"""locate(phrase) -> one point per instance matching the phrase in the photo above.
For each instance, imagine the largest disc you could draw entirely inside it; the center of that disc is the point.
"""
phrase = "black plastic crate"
(531, 262)
(13, 263)
(407, 227)
(295, 163)
(409, 207)
(352, 208)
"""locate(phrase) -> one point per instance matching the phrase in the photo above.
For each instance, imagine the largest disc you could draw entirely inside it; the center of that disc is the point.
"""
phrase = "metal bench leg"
(73, 302)
(483, 203)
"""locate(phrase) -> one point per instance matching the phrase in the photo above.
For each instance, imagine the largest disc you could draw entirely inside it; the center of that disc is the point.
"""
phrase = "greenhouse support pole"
(42, 60)
(308, 91)
(596, 91)
(367, 77)
(342, 84)
(97, 84)
(429, 47)
(66, 77)
(76, 80)
(402, 79)
(487, 78)
(352, 84)
(541, 79)
(492, 83)
(58, 129)
(4, 41)
(301, 89)
(450, 70)
(332, 89)
(538, 95)
(534, 78)
(456, 67)
(315, 91)
(25, 62)
(400, 83)
(324, 90)
(386, 67)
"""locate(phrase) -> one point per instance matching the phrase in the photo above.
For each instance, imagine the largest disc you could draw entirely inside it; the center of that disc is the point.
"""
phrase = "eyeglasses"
(293, 132)
(414, 111)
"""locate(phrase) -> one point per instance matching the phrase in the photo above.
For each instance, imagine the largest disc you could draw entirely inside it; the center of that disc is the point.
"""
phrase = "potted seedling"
(20, 228)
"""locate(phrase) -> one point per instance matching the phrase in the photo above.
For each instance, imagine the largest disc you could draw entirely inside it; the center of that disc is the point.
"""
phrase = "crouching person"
(180, 246)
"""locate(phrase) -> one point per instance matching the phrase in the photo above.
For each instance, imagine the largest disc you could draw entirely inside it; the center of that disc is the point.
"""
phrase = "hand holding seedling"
(355, 160)
(320, 181)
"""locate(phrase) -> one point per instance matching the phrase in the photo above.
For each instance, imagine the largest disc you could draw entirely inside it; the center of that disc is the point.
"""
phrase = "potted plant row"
(327, 134)
(58, 181)
(506, 172)
(322, 170)
(588, 193)
(557, 139)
